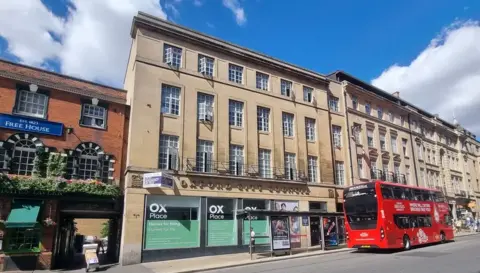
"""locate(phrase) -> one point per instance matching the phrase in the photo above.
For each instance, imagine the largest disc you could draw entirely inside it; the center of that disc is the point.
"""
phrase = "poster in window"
(259, 223)
(330, 231)
(295, 221)
(221, 223)
(280, 229)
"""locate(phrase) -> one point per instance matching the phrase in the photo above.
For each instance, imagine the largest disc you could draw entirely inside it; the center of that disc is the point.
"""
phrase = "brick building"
(55, 126)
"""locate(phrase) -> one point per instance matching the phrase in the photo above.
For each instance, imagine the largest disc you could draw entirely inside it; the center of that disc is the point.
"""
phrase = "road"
(461, 256)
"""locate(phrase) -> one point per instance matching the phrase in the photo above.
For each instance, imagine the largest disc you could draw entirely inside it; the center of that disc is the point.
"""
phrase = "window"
(312, 169)
(168, 153)
(310, 129)
(360, 167)
(205, 107)
(262, 81)
(370, 139)
(356, 133)
(235, 73)
(205, 65)
(307, 94)
(383, 142)
(285, 88)
(396, 170)
(339, 173)
(236, 160)
(24, 152)
(3, 158)
(337, 136)
(402, 121)
(407, 173)
(235, 113)
(368, 108)
(355, 102)
(422, 176)
(290, 166)
(23, 239)
(333, 104)
(89, 163)
(380, 112)
(419, 150)
(404, 147)
(94, 116)
(263, 119)
(172, 56)
(393, 142)
(204, 156)
(170, 100)
(264, 163)
(31, 104)
(287, 124)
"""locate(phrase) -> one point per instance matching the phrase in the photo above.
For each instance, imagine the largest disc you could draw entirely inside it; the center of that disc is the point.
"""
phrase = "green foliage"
(40, 163)
(105, 229)
(55, 186)
(56, 165)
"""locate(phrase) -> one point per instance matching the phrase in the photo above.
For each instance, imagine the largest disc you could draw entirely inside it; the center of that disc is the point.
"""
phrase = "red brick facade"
(66, 99)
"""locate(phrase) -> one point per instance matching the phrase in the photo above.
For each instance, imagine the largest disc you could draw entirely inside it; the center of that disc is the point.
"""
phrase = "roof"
(386, 95)
(52, 80)
(149, 21)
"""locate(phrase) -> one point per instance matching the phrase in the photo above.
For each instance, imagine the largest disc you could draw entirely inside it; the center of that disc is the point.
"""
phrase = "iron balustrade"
(388, 176)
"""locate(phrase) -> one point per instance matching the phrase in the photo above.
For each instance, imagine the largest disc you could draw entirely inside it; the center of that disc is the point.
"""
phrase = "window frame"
(233, 71)
(8, 238)
(205, 65)
(339, 173)
(203, 106)
(310, 129)
(334, 104)
(312, 168)
(337, 136)
(307, 90)
(169, 139)
(283, 87)
(22, 87)
(235, 116)
(103, 105)
(265, 170)
(288, 124)
(173, 48)
(259, 81)
(170, 108)
(263, 122)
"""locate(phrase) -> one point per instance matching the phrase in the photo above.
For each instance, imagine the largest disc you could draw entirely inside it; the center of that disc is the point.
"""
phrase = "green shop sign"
(221, 223)
(259, 223)
(171, 222)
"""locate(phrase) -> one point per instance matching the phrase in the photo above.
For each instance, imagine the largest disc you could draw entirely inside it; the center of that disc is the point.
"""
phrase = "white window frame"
(235, 113)
(354, 102)
(334, 104)
(265, 163)
(360, 169)
(204, 156)
(28, 101)
(263, 119)
(307, 94)
(370, 138)
(172, 55)
(337, 136)
(339, 173)
(290, 161)
(380, 112)
(383, 142)
(393, 143)
(87, 113)
(171, 96)
(310, 129)
(312, 169)
(206, 65)
(368, 108)
(205, 104)
(168, 152)
(235, 73)
(288, 121)
(286, 88)
(262, 81)
(236, 159)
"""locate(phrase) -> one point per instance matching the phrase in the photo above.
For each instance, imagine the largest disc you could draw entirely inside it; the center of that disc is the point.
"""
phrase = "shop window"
(23, 239)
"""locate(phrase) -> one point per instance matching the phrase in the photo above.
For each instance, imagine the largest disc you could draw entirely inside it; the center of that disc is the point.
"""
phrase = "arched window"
(24, 148)
(89, 160)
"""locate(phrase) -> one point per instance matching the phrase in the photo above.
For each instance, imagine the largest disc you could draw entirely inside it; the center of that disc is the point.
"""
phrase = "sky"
(428, 50)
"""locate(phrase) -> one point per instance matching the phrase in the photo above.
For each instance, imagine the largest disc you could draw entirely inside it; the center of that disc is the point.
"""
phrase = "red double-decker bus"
(388, 215)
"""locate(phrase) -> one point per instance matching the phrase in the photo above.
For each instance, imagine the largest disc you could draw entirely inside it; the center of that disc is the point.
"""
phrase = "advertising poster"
(221, 222)
(259, 223)
(330, 231)
(295, 221)
(171, 222)
(280, 233)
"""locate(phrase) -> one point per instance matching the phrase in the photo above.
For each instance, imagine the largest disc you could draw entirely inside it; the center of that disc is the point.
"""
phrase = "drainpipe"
(348, 132)
(413, 149)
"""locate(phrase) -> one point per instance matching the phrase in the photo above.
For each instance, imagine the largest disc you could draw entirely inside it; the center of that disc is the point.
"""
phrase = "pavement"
(459, 256)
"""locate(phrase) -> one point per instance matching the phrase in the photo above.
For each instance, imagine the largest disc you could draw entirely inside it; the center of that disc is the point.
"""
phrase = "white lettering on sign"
(399, 206)
(216, 212)
(359, 187)
(420, 207)
(31, 125)
(158, 208)
(251, 216)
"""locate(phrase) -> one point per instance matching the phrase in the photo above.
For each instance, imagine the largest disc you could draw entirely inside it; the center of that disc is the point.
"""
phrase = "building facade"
(233, 129)
(393, 140)
(61, 144)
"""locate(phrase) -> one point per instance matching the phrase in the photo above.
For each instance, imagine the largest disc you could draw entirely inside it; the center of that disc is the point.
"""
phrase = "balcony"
(388, 177)
(239, 169)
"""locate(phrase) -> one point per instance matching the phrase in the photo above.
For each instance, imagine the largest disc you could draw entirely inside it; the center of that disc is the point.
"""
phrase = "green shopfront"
(178, 227)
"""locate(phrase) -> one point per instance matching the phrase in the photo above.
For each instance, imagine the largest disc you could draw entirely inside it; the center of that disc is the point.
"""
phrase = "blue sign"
(31, 125)
(156, 180)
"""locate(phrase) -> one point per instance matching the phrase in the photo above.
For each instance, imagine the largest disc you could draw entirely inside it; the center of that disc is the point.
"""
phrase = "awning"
(24, 214)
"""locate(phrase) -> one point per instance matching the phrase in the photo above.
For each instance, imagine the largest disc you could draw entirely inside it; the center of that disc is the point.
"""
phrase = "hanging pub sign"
(280, 233)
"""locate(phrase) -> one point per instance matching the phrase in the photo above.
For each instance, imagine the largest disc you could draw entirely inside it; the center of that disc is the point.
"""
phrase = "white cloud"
(197, 3)
(445, 77)
(237, 9)
(95, 36)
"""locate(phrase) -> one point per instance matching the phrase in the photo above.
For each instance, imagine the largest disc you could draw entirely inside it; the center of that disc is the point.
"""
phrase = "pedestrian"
(252, 240)
(99, 243)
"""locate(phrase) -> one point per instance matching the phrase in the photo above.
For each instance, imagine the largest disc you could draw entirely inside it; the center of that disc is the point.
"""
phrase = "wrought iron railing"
(388, 176)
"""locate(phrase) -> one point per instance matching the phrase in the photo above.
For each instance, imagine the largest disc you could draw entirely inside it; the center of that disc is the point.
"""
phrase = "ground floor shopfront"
(202, 216)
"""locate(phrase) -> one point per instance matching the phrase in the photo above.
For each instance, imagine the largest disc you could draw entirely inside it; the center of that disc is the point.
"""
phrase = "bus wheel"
(442, 238)
(406, 243)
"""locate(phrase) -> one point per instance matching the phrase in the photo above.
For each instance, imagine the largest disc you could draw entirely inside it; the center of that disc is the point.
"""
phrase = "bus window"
(408, 194)
(417, 195)
(401, 221)
(413, 222)
(386, 192)
(426, 196)
(439, 197)
(428, 221)
(447, 220)
(398, 193)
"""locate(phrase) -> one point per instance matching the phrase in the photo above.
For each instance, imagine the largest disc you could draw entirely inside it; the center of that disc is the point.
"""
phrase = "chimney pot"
(396, 94)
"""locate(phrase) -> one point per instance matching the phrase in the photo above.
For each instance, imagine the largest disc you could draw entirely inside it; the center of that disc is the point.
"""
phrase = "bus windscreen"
(361, 208)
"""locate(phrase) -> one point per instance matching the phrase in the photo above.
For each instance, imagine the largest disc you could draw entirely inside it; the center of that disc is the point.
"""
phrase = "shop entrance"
(101, 218)
(315, 234)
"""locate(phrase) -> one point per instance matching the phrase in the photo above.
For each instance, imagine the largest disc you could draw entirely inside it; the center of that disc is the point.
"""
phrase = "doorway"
(315, 234)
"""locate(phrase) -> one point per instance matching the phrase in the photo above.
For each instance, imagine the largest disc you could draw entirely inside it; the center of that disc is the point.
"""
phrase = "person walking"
(252, 240)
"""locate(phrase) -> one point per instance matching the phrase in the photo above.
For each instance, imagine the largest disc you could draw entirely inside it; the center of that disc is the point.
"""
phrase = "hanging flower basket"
(49, 222)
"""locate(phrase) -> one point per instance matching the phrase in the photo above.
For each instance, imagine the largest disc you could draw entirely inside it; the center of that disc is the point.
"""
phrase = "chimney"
(396, 94)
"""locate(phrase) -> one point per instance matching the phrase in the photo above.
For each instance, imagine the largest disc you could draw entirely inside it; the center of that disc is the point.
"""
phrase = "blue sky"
(387, 42)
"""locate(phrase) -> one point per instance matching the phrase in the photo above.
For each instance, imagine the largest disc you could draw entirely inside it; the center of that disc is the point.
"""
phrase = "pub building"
(61, 151)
